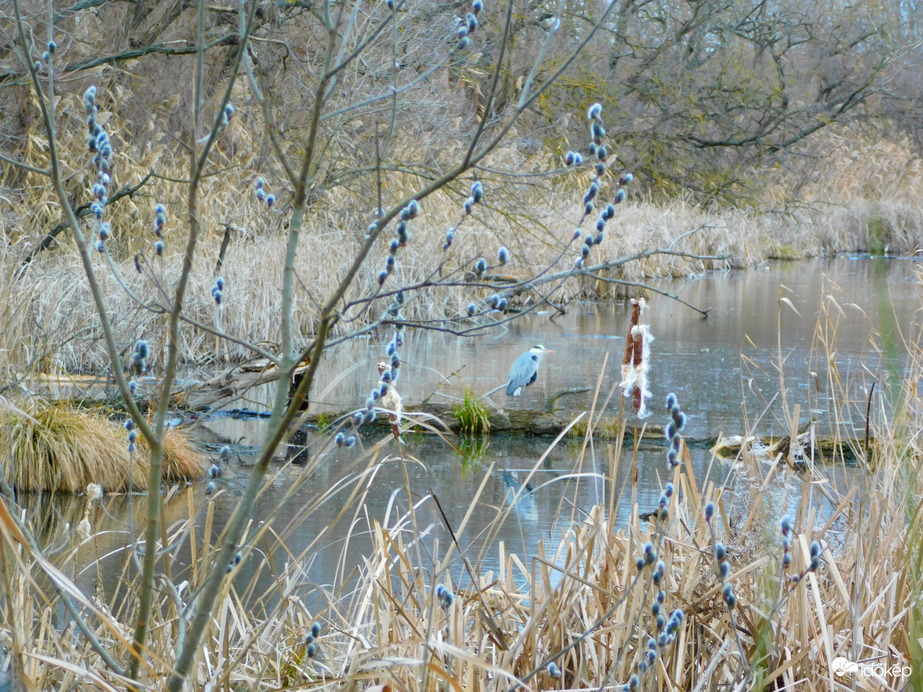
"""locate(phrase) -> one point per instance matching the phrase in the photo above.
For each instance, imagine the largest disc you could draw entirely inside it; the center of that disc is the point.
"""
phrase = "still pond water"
(725, 370)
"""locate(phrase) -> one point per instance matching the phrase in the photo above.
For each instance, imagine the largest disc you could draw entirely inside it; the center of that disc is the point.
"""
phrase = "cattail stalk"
(636, 360)
(392, 402)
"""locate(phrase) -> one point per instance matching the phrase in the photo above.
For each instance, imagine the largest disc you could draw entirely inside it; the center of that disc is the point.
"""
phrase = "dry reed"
(582, 603)
(864, 196)
(585, 597)
(63, 448)
(390, 626)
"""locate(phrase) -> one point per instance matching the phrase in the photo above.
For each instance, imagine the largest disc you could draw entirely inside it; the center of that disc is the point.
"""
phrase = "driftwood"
(503, 420)
(189, 395)
(825, 449)
(220, 394)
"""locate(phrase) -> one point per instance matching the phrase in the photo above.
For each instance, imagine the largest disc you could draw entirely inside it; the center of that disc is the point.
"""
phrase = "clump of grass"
(783, 252)
(473, 417)
(64, 448)
(182, 461)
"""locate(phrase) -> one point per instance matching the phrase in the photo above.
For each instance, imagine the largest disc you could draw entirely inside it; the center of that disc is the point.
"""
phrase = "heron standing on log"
(525, 370)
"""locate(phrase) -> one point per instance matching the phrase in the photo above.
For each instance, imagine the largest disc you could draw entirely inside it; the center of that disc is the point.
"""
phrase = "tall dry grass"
(63, 448)
(52, 291)
(854, 190)
(582, 603)
(862, 192)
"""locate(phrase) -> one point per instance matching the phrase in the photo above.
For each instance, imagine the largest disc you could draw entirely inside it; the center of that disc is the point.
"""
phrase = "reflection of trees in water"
(53, 517)
(96, 562)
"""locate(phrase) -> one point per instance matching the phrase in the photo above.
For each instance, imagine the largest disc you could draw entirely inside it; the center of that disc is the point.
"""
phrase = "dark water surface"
(871, 309)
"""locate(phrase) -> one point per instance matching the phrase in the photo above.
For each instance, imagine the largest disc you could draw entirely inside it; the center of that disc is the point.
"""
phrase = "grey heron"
(525, 370)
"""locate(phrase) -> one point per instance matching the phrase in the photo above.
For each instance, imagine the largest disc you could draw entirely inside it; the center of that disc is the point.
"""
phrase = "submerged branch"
(648, 287)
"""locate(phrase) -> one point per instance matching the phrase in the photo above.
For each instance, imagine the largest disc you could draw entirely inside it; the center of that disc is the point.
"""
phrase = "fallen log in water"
(189, 394)
(220, 392)
(499, 419)
(808, 446)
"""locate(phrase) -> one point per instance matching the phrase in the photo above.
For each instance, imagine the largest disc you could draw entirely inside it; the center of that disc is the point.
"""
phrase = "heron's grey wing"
(520, 373)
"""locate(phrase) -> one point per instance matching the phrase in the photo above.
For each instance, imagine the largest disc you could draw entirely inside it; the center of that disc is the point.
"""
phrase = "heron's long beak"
(548, 350)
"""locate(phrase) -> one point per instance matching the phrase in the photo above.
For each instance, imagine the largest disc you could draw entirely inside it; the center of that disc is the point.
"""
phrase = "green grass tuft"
(472, 416)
